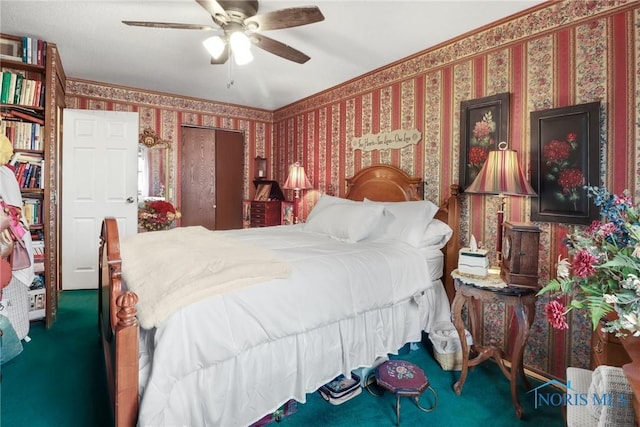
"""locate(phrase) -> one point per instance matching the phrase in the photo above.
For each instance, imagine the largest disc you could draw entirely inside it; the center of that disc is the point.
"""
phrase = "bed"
(231, 358)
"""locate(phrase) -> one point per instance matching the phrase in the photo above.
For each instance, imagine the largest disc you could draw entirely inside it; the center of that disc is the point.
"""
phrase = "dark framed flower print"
(484, 122)
(565, 145)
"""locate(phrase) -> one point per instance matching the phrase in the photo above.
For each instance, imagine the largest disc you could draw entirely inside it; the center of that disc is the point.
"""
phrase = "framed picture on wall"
(484, 122)
(565, 144)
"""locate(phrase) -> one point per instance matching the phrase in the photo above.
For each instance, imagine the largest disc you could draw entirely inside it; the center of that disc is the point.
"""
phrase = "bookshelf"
(32, 93)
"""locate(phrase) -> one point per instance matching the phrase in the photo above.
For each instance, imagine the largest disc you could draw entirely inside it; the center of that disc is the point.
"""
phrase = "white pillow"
(436, 235)
(326, 201)
(405, 221)
(349, 222)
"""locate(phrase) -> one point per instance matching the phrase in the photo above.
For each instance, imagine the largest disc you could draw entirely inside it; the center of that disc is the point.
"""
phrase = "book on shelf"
(26, 115)
(22, 134)
(37, 235)
(33, 213)
(18, 88)
(6, 81)
(28, 173)
(8, 87)
(25, 157)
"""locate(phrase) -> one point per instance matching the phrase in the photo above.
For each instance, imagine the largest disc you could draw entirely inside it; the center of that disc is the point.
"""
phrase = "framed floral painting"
(484, 122)
(565, 145)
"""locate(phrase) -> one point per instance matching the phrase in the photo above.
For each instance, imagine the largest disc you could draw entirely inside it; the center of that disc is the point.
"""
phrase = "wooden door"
(229, 179)
(212, 168)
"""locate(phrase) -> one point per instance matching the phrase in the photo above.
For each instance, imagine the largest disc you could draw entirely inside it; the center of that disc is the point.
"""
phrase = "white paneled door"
(99, 179)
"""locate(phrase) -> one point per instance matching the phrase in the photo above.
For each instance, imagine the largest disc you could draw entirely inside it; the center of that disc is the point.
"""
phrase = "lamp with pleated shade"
(501, 175)
(297, 180)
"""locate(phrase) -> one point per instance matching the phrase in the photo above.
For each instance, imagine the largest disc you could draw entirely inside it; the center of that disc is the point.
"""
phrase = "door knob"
(129, 199)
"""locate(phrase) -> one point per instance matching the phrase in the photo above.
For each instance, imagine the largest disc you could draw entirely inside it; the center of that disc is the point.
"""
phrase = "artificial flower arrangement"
(603, 275)
(157, 215)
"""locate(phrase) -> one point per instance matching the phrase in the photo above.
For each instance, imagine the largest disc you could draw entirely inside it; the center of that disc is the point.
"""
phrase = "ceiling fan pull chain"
(229, 72)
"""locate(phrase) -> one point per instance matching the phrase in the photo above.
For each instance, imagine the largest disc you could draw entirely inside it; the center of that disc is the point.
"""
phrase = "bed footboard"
(119, 329)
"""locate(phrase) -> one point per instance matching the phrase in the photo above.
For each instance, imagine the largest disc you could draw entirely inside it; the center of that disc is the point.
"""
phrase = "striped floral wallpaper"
(561, 53)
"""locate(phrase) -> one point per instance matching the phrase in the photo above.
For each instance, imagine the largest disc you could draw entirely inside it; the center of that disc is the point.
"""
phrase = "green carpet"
(58, 380)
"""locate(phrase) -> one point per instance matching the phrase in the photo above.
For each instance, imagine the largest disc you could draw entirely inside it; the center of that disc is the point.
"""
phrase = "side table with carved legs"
(522, 300)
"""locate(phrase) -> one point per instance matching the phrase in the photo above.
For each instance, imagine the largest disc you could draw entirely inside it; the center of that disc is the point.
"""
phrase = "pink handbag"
(19, 258)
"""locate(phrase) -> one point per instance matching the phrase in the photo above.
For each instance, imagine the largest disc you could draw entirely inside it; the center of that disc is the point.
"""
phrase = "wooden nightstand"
(606, 349)
(258, 213)
(493, 289)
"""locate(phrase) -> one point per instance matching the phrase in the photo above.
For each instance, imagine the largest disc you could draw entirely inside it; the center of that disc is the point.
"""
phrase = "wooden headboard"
(385, 183)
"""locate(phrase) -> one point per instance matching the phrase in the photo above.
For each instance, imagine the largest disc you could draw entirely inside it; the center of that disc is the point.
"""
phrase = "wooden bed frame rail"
(117, 320)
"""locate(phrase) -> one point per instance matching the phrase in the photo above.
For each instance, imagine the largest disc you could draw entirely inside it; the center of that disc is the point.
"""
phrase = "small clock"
(520, 254)
(506, 247)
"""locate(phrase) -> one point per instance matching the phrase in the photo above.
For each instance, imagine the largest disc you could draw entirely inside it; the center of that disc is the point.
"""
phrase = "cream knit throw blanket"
(171, 269)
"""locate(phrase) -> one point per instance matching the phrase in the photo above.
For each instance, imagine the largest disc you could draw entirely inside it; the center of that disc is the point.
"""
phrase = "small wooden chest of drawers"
(265, 213)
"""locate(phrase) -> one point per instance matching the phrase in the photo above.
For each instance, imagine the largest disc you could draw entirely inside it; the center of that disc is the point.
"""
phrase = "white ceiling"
(355, 38)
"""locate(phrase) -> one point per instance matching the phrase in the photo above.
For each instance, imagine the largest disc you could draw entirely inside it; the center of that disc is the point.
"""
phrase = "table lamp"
(501, 175)
(297, 180)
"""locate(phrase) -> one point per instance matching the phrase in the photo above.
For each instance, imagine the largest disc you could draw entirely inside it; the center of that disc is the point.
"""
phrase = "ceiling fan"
(241, 26)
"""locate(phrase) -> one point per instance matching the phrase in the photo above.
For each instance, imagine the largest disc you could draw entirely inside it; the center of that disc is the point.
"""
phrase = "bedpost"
(453, 246)
(119, 329)
(126, 340)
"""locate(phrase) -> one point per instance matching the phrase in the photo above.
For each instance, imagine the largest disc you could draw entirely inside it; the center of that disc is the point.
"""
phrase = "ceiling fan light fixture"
(239, 42)
(237, 23)
(215, 46)
(243, 57)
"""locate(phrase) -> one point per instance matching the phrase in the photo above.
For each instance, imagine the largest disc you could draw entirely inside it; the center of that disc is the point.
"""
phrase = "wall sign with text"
(383, 141)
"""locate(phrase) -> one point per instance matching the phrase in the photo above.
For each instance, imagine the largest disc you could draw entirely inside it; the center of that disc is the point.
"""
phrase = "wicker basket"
(449, 361)
(446, 345)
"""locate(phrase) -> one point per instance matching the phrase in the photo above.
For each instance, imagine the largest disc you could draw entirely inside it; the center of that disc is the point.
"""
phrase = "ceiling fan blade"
(278, 48)
(171, 25)
(223, 57)
(214, 8)
(285, 18)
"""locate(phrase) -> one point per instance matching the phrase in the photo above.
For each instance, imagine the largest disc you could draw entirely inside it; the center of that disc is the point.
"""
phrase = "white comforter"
(230, 359)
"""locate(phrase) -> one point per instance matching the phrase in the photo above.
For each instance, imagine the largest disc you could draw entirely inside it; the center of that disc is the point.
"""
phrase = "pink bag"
(10, 221)
(19, 258)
